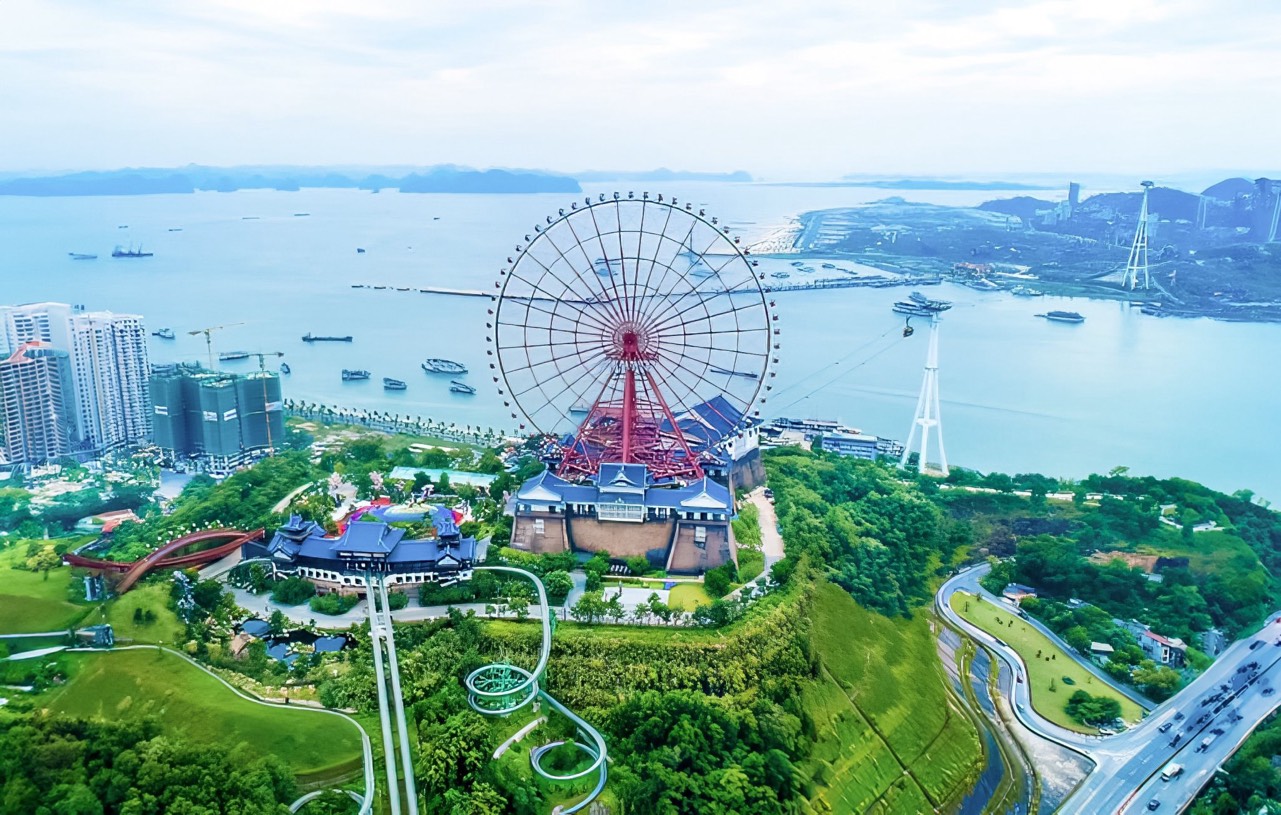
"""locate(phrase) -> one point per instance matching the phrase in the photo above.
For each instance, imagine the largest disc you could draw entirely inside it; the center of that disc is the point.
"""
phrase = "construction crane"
(262, 369)
(208, 332)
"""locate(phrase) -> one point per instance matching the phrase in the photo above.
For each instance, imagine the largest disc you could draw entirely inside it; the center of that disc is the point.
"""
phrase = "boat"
(911, 309)
(781, 275)
(284, 368)
(580, 407)
(308, 337)
(1025, 291)
(301, 214)
(82, 256)
(460, 387)
(175, 229)
(232, 356)
(716, 369)
(402, 288)
(443, 366)
(130, 252)
(163, 333)
(360, 251)
(390, 384)
(1063, 316)
(917, 297)
(829, 265)
(349, 375)
(806, 269)
(798, 263)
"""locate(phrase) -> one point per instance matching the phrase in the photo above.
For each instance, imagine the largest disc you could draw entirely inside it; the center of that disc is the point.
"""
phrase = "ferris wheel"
(627, 320)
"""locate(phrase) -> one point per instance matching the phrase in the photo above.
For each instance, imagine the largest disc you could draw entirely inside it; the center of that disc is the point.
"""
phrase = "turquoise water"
(1187, 397)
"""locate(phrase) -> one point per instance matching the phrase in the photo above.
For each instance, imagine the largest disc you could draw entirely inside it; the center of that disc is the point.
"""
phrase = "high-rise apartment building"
(217, 420)
(37, 419)
(109, 367)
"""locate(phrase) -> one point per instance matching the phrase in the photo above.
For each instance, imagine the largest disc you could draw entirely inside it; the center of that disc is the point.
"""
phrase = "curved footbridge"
(502, 688)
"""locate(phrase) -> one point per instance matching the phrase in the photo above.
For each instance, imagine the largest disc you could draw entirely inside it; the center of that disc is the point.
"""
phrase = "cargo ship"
(443, 366)
(349, 375)
(131, 253)
(390, 384)
(1063, 316)
(308, 337)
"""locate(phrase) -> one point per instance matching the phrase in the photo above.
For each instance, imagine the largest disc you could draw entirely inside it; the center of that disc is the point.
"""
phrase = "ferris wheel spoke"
(579, 309)
(668, 319)
(613, 283)
(554, 399)
(660, 236)
(592, 285)
(698, 258)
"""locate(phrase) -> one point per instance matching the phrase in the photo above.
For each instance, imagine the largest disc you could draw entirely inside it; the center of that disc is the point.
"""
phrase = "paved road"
(1126, 785)
(1127, 766)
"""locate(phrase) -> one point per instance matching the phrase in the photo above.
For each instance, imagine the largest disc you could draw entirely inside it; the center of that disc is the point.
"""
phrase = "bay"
(1020, 394)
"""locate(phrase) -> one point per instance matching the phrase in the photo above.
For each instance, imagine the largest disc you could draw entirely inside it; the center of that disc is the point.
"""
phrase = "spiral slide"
(502, 688)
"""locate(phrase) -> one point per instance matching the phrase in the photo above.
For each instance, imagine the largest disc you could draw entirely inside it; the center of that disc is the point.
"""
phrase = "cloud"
(812, 91)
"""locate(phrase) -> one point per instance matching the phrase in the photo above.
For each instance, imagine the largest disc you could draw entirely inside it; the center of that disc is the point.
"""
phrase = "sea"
(1189, 397)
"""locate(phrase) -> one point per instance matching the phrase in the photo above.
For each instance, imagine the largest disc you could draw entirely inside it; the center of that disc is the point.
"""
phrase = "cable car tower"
(1138, 262)
(927, 405)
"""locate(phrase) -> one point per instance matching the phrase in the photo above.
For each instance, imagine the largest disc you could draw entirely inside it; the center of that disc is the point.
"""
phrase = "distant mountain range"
(661, 174)
(930, 184)
(152, 181)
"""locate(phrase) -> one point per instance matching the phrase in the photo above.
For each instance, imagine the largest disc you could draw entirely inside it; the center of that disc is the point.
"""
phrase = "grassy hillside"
(28, 602)
(880, 707)
(131, 684)
(1046, 672)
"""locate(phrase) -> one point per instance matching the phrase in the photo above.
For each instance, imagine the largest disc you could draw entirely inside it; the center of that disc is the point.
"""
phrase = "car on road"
(1269, 691)
(1163, 728)
(1153, 804)
(1178, 716)
(1257, 643)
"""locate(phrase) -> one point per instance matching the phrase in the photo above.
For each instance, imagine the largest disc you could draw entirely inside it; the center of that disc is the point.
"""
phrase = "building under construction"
(215, 421)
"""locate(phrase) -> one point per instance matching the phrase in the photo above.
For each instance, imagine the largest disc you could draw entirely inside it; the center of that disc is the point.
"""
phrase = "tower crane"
(208, 332)
(262, 369)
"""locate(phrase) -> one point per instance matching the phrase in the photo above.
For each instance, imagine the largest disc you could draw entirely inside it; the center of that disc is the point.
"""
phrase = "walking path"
(771, 540)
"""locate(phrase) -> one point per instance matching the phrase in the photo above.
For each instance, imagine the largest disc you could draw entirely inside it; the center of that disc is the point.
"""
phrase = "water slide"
(501, 688)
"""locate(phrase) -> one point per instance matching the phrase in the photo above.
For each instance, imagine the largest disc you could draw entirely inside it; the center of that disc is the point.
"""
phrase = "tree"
(558, 583)
(278, 622)
(589, 608)
(1095, 710)
(292, 591)
(718, 581)
(44, 560)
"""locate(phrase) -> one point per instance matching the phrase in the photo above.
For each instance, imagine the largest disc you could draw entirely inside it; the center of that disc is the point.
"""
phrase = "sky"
(787, 91)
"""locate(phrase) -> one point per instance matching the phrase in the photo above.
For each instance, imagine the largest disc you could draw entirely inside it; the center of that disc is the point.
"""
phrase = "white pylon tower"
(927, 418)
(1138, 263)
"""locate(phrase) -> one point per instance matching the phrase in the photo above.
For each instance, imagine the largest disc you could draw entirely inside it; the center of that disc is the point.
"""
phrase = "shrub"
(292, 590)
(718, 581)
(335, 603)
(558, 583)
(397, 600)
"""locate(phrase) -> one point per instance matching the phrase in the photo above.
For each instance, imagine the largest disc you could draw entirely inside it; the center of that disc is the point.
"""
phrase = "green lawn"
(688, 596)
(123, 685)
(155, 596)
(750, 564)
(28, 602)
(1052, 664)
(880, 705)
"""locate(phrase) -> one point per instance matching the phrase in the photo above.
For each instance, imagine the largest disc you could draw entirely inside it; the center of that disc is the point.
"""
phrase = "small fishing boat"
(1063, 316)
(460, 387)
(232, 356)
(82, 256)
(163, 333)
(390, 384)
(443, 366)
(580, 407)
(354, 375)
(284, 368)
(716, 369)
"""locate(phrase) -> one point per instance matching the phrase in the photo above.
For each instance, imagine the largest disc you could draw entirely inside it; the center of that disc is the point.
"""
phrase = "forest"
(64, 766)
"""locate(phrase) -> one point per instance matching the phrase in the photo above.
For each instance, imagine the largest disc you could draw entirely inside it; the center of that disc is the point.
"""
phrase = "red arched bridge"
(164, 557)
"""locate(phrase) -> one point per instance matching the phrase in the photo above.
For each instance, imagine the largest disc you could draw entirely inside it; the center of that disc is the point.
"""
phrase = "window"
(538, 526)
(700, 537)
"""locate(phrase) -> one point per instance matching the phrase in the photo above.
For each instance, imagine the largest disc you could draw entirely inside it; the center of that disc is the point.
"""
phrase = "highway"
(1128, 765)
